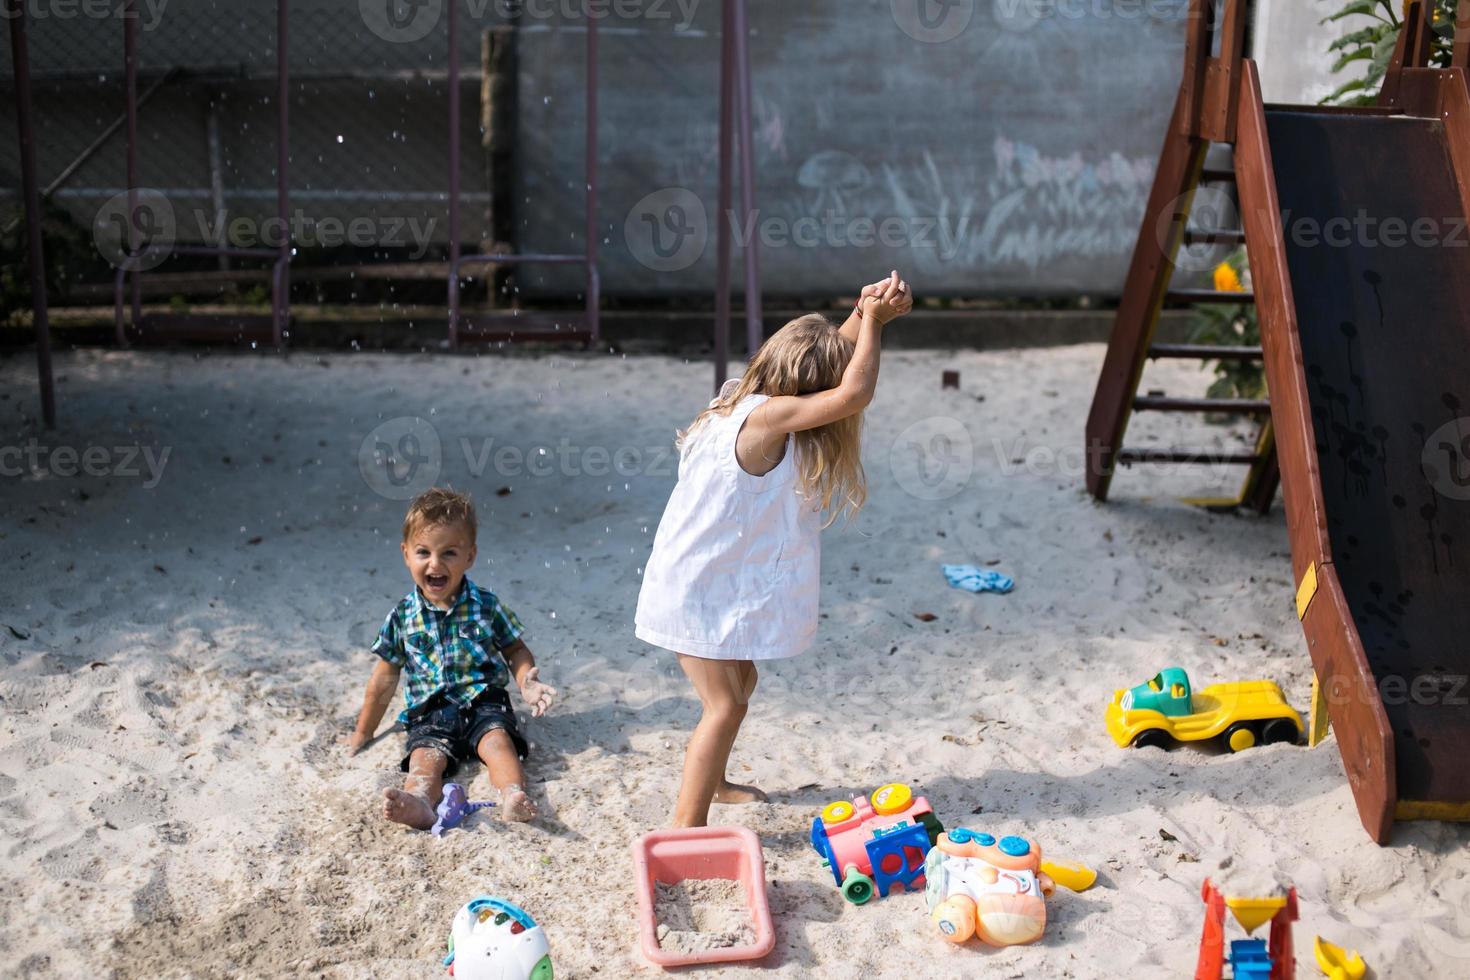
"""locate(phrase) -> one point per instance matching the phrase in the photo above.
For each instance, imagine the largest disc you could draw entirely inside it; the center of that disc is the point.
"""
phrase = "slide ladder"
(1200, 117)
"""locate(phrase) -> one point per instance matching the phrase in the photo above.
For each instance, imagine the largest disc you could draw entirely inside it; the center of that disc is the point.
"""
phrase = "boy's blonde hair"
(807, 355)
(440, 506)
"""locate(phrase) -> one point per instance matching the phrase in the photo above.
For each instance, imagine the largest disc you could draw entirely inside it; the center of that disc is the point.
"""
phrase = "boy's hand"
(887, 300)
(537, 694)
(355, 742)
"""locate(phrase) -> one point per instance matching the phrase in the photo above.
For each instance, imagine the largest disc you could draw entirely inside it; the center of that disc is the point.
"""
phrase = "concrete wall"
(1291, 48)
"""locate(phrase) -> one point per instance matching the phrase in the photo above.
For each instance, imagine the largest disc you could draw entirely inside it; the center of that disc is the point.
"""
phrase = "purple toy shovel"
(454, 808)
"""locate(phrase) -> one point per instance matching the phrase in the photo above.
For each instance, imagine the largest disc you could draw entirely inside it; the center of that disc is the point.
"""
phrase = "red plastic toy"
(1249, 958)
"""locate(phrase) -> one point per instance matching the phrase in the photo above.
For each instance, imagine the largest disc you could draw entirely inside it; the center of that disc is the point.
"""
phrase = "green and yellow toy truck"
(1164, 710)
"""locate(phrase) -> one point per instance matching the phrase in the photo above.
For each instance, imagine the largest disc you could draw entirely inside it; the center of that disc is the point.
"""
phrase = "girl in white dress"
(735, 569)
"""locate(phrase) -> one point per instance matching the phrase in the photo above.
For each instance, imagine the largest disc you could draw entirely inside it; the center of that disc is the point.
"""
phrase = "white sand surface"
(179, 656)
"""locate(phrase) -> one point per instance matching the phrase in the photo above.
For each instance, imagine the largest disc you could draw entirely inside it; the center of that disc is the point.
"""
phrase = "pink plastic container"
(671, 856)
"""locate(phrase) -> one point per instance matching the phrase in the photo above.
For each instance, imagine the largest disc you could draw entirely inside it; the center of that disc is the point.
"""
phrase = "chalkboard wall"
(992, 147)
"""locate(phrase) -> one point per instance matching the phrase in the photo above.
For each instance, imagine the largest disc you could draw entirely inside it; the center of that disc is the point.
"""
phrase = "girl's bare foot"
(728, 792)
(515, 805)
(408, 809)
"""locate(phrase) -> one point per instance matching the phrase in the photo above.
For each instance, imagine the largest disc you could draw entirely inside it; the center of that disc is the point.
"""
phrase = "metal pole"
(453, 26)
(722, 217)
(20, 61)
(592, 234)
(753, 330)
(130, 73)
(216, 175)
(281, 281)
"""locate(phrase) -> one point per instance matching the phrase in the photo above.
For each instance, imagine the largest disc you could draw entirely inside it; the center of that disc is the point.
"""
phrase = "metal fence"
(369, 137)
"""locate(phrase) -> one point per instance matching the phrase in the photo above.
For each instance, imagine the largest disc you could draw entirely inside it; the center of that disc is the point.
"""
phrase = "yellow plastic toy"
(1073, 877)
(1165, 710)
(1337, 963)
(1252, 913)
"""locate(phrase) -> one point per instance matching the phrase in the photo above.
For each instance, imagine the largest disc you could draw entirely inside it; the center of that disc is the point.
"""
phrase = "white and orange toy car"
(979, 886)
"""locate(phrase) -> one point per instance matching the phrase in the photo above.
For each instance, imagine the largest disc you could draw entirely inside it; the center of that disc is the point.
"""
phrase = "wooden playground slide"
(1366, 340)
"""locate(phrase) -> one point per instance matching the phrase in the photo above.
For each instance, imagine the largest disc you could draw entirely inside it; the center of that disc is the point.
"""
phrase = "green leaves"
(1368, 7)
(1373, 45)
(1230, 326)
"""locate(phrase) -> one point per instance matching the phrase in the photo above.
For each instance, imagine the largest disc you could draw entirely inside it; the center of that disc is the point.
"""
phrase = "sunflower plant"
(1366, 51)
(1231, 325)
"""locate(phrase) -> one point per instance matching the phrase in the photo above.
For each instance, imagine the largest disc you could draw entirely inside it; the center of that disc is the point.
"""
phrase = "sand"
(696, 916)
(179, 657)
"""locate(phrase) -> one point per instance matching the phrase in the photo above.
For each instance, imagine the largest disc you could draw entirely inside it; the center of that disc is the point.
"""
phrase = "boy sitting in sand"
(460, 647)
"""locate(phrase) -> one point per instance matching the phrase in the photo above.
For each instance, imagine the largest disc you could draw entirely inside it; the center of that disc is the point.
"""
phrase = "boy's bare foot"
(728, 792)
(515, 805)
(406, 808)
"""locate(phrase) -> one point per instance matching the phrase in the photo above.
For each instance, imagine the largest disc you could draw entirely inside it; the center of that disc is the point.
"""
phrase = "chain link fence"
(369, 127)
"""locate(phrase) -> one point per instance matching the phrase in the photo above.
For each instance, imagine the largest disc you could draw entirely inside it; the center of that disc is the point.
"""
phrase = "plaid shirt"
(457, 652)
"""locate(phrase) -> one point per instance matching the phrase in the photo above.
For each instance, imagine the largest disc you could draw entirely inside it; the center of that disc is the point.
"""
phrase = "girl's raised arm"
(855, 318)
(795, 413)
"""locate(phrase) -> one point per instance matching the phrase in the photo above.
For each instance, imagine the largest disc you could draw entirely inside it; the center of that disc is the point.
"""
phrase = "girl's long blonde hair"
(807, 355)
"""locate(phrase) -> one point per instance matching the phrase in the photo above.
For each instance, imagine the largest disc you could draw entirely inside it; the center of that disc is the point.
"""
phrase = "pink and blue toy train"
(873, 843)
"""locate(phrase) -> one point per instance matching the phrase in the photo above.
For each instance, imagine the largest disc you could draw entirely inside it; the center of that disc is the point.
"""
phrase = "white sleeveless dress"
(736, 564)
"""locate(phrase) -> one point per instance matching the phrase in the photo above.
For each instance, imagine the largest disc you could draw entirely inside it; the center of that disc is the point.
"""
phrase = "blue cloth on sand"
(977, 579)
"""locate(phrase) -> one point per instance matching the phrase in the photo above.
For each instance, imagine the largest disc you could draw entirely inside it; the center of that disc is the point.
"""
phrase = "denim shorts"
(456, 730)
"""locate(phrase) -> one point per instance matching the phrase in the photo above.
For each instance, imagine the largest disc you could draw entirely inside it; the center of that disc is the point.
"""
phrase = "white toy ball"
(492, 939)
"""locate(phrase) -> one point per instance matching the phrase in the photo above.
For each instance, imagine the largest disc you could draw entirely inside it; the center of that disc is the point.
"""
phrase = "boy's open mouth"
(437, 582)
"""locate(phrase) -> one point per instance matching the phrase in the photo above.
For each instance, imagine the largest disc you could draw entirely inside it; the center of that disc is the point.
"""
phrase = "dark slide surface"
(1384, 322)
